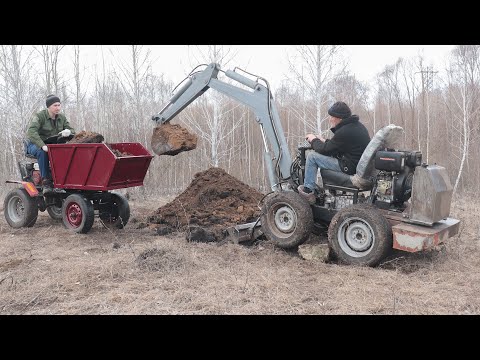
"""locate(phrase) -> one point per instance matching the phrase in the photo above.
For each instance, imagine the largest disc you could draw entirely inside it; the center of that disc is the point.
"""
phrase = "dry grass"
(49, 270)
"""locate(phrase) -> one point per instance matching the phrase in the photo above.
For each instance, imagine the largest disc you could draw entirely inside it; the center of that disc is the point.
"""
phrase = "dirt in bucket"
(172, 139)
(86, 137)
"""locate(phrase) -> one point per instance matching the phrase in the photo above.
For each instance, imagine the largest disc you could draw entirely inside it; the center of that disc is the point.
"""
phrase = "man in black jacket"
(340, 153)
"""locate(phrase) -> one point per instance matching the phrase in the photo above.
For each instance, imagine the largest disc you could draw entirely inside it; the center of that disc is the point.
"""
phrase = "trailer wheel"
(118, 213)
(360, 235)
(287, 219)
(21, 210)
(78, 214)
(55, 211)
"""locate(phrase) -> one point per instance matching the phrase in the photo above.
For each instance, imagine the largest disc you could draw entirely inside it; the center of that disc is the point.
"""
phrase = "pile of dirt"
(169, 139)
(84, 137)
(213, 201)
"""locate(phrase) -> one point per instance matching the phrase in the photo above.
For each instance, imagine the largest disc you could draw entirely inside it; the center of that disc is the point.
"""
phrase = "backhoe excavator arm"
(259, 100)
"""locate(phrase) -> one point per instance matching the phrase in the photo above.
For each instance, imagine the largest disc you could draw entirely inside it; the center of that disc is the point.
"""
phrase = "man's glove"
(45, 148)
(65, 133)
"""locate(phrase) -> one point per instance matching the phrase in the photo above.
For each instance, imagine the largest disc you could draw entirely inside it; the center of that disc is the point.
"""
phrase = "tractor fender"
(28, 186)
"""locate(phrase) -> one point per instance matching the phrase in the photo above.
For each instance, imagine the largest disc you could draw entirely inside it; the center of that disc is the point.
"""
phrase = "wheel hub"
(74, 214)
(16, 208)
(356, 237)
(285, 219)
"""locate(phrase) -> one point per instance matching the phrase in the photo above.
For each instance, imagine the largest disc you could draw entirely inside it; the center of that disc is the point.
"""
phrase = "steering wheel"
(58, 139)
(63, 139)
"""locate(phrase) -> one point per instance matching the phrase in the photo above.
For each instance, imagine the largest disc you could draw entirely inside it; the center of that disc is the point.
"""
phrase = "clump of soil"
(214, 200)
(86, 137)
(118, 153)
(171, 139)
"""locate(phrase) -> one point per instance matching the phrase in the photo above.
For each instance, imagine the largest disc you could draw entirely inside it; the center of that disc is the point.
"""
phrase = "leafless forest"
(47, 269)
(438, 108)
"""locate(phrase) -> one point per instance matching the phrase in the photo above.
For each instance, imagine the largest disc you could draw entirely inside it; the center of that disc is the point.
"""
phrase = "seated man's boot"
(47, 186)
(310, 197)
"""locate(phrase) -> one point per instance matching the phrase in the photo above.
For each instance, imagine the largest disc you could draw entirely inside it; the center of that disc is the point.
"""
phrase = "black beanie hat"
(340, 110)
(52, 99)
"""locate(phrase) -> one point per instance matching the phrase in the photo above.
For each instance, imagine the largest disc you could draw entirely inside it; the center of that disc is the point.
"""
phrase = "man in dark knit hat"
(44, 124)
(340, 153)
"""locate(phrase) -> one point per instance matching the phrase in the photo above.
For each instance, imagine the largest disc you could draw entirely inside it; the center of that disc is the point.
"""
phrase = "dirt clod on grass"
(172, 139)
(86, 137)
(213, 201)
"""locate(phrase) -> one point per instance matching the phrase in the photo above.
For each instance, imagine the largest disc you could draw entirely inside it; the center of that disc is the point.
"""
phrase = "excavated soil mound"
(169, 139)
(213, 201)
(86, 137)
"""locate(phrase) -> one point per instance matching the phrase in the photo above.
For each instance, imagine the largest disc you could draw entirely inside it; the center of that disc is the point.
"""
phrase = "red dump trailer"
(83, 175)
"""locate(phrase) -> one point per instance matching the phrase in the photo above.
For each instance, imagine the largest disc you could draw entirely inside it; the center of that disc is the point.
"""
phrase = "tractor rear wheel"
(287, 219)
(118, 212)
(21, 210)
(360, 235)
(78, 214)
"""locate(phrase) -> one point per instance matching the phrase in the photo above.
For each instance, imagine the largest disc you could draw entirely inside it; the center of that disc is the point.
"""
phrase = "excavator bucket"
(171, 139)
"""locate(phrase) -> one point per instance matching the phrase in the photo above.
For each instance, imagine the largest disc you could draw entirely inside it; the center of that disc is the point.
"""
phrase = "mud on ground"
(214, 200)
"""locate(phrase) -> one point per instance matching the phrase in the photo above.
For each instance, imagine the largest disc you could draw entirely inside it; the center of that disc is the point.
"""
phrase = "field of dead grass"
(47, 269)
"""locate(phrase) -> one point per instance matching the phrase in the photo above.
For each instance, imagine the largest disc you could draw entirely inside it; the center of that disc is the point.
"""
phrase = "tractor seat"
(387, 137)
(331, 177)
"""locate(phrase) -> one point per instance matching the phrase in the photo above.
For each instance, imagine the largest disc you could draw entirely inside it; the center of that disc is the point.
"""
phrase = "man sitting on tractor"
(341, 153)
(43, 125)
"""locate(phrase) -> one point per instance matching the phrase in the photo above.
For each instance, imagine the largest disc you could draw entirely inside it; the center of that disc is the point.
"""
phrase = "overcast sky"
(270, 61)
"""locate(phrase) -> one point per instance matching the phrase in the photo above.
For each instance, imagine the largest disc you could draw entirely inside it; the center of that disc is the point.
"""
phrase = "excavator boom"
(258, 98)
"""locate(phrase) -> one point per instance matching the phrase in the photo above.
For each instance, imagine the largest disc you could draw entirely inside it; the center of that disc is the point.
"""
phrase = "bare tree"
(409, 83)
(50, 56)
(463, 85)
(312, 67)
(214, 127)
(18, 97)
(391, 82)
(80, 94)
(132, 76)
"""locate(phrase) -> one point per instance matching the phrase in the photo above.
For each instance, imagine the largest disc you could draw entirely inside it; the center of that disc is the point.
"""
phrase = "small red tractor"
(83, 175)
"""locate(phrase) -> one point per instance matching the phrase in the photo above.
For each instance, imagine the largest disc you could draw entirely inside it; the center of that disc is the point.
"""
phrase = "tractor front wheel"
(287, 219)
(21, 210)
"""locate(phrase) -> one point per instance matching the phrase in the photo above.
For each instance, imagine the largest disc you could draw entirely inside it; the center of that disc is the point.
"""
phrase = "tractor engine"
(30, 172)
(394, 179)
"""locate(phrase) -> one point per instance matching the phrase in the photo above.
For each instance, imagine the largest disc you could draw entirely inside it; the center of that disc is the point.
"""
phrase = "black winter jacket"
(348, 143)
